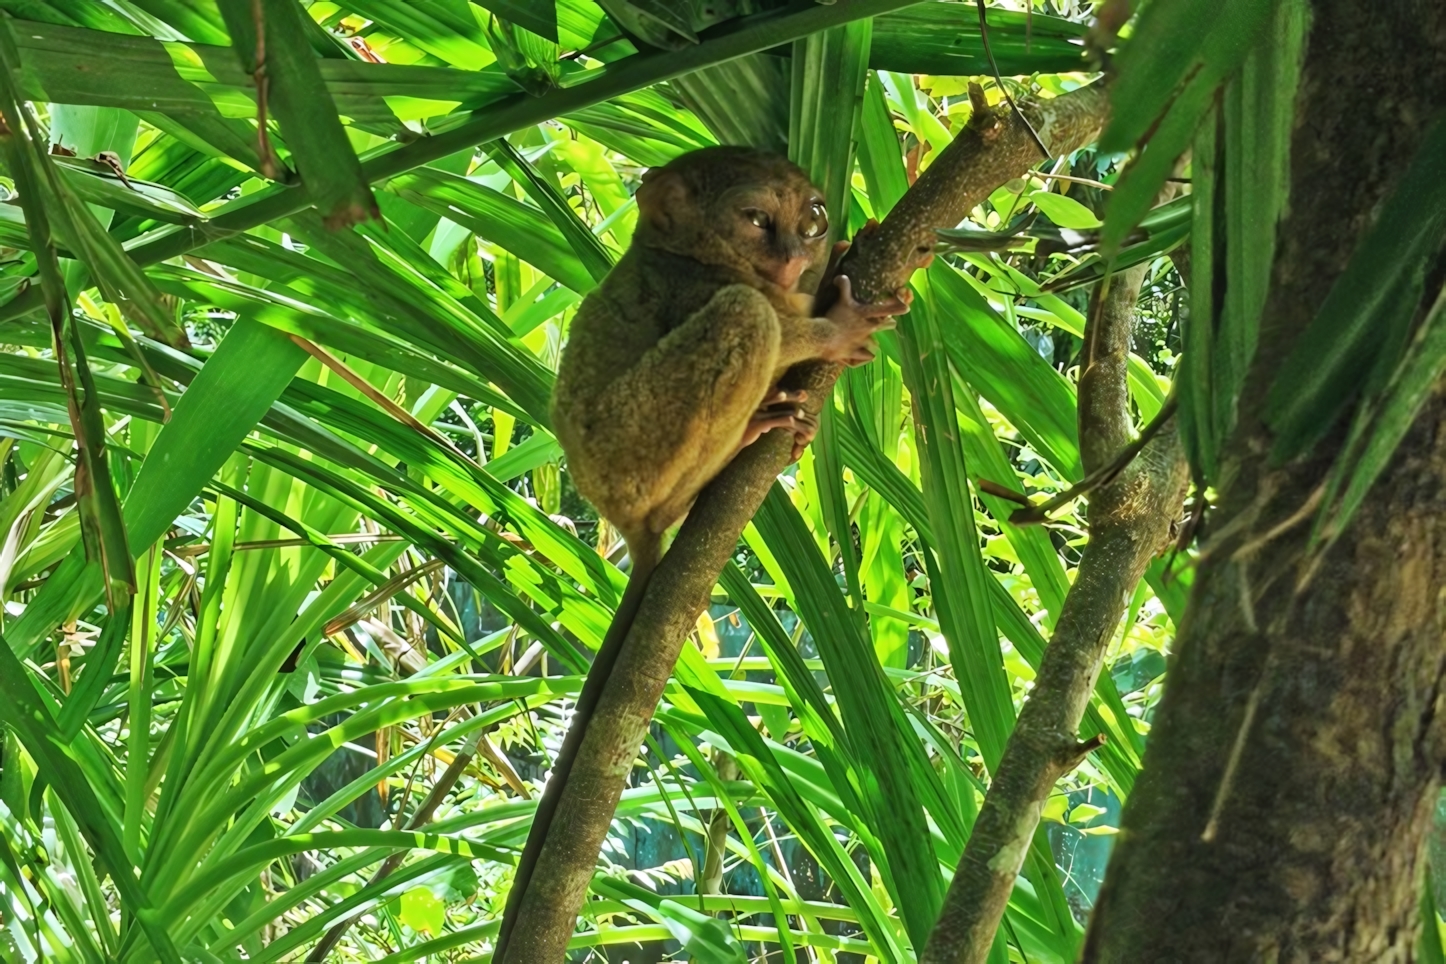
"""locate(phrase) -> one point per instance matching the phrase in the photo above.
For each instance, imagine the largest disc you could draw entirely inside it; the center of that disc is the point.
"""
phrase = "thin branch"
(1039, 512)
(1131, 519)
(994, 68)
(270, 167)
(1091, 182)
(385, 404)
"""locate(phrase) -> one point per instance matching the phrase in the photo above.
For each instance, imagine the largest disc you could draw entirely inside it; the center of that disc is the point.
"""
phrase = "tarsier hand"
(856, 322)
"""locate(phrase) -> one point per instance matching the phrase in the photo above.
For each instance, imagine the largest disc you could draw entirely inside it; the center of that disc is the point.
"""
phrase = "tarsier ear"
(660, 196)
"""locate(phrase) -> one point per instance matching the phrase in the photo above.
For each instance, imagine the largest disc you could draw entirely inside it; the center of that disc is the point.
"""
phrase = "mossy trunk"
(1296, 756)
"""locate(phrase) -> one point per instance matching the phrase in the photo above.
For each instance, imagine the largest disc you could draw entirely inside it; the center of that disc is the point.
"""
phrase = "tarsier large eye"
(818, 221)
(757, 218)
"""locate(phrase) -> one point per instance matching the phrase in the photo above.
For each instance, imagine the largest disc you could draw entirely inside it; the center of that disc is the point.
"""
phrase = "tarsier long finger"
(856, 323)
(783, 409)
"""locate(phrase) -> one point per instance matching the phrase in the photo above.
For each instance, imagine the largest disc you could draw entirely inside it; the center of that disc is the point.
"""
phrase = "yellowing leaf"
(707, 636)
(422, 911)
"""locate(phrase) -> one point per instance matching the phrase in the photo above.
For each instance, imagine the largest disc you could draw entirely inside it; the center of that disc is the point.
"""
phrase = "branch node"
(1000, 491)
(983, 118)
(1075, 755)
(1039, 512)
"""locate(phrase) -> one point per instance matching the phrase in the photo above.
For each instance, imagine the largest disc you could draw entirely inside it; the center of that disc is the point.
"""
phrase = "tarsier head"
(745, 210)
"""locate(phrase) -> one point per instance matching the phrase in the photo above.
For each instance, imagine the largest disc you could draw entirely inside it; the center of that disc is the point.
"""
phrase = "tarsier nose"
(793, 259)
(790, 271)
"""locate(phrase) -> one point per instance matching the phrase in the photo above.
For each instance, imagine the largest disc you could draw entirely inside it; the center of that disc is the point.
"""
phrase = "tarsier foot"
(779, 397)
(805, 428)
(766, 420)
(782, 408)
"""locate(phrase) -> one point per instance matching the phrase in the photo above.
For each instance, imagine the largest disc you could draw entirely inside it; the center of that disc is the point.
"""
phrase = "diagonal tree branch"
(1130, 521)
(726, 41)
(995, 148)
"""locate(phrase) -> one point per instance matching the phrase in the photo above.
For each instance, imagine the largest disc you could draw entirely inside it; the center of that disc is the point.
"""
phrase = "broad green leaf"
(448, 32)
(944, 38)
(1379, 427)
(22, 708)
(763, 768)
(1063, 211)
(759, 33)
(1159, 54)
(505, 221)
(707, 939)
(270, 36)
(97, 183)
(1430, 946)
(871, 715)
(539, 16)
(961, 583)
(996, 360)
(1196, 41)
(880, 161)
(644, 125)
(1159, 232)
(99, 666)
(829, 69)
(42, 198)
(90, 130)
(1241, 171)
(1012, 622)
(585, 245)
(76, 11)
(743, 101)
(1200, 415)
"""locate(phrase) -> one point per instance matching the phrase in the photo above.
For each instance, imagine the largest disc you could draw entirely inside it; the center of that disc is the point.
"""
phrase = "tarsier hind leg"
(666, 426)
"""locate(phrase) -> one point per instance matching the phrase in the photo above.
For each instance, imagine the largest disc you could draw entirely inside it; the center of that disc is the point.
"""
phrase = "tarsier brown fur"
(672, 366)
(672, 363)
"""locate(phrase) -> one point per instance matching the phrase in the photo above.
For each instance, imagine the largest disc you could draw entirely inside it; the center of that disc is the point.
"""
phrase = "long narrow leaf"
(270, 39)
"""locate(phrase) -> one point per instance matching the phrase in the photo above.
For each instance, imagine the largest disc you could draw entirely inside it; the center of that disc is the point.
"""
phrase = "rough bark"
(1296, 756)
(983, 157)
(1129, 523)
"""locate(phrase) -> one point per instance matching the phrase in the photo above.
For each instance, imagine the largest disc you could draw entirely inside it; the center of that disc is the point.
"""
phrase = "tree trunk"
(1294, 765)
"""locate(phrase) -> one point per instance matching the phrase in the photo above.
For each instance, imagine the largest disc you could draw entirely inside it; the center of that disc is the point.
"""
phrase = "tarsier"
(672, 365)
